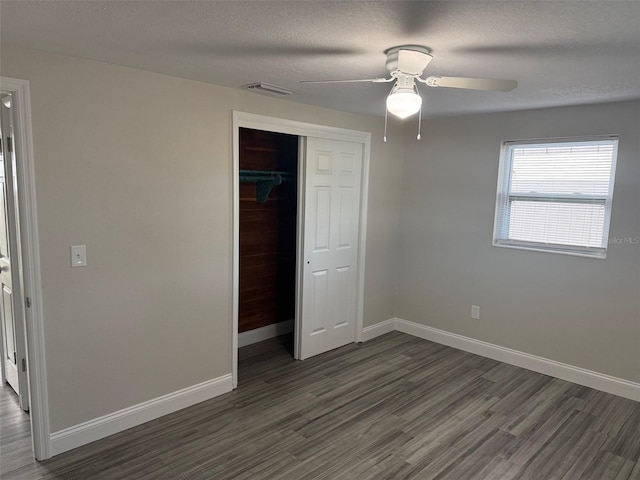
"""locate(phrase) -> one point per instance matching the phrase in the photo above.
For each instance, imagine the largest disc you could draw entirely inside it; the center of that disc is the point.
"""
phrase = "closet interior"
(267, 235)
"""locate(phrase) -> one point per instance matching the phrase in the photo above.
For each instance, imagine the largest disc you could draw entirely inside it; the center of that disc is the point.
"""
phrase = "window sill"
(598, 253)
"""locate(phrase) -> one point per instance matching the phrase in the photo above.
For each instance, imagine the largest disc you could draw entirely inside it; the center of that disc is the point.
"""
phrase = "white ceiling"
(562, 53)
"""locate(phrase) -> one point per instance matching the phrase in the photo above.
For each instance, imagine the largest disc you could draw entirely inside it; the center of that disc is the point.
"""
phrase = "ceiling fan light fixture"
(403, 102)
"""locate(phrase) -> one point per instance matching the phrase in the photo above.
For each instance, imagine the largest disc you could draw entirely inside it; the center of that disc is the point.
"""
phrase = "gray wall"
(581, 311)
(137, 166)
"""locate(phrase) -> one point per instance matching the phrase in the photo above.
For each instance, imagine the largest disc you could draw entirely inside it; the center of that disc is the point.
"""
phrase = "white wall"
(580, 311)
(137, 166)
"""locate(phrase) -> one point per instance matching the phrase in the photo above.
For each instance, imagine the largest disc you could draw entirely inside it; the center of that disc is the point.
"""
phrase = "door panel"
(11, 367)
(320, 292)
(330, 244)
(342, 310)
(323, 218)
(345, 231)
(4, 244)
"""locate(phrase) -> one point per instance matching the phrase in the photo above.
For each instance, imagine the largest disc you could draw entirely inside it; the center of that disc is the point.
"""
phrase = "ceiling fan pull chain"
(386, 114)
(419, 111)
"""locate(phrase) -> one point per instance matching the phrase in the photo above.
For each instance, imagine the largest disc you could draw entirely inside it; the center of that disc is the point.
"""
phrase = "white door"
(333, 173)
(11, 305)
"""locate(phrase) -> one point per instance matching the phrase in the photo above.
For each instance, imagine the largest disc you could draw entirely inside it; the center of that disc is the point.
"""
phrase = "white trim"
(294, 127)
(297, 326)
(235, 248)
(362, 247)
(570, 373)
(302, 129)
(586, 252)
(37, 368)
(264, 333)
(101, 427)
(382, 328)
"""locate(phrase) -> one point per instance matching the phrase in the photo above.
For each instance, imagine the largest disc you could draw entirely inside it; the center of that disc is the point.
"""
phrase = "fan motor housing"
(392, 54)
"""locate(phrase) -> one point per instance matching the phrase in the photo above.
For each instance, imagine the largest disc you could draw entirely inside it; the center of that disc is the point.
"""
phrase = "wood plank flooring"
(397, 407)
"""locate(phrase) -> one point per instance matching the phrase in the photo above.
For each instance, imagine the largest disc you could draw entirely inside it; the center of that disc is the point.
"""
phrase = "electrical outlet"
(78, 255)
(475, 312)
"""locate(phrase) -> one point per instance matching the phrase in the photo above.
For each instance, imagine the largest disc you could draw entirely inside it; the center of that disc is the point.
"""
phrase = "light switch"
(78, 255)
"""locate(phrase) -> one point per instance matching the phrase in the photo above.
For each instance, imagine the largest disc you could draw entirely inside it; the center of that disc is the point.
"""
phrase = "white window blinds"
(556, 195)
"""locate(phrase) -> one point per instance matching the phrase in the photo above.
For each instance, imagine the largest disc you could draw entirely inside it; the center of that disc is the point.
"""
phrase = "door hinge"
(27, 301)
(9, 145)
(15, 358)
(24, 364)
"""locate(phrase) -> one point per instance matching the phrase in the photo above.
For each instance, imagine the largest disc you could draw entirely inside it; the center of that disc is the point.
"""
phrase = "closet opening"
(268, 212)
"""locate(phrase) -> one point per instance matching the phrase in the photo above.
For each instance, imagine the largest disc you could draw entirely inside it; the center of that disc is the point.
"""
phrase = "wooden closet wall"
(267, 232)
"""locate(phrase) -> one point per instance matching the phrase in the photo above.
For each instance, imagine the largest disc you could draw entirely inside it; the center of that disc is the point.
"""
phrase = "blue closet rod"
(265, 180)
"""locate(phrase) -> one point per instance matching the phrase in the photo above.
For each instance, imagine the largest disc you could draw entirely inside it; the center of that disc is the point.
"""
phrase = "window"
(555, 195)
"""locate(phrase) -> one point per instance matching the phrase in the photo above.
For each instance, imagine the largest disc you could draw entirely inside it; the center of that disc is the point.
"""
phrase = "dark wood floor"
(396, 407)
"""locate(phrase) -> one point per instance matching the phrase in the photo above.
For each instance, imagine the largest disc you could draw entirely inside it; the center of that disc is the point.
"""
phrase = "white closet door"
(331, 228)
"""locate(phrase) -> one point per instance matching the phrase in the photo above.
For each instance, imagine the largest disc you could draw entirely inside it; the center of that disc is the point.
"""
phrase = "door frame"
(302, 130)
(25, 171)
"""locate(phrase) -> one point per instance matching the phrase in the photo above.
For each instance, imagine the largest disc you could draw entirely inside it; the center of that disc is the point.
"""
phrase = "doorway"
(20, 211)
(268, 182)
(332, 187)
(13, 362)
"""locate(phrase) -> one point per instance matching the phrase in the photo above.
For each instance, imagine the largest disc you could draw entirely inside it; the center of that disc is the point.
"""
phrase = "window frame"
(504, 188)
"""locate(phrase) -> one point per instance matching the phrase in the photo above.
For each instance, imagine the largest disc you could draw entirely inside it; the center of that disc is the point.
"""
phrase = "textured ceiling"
(561, 53)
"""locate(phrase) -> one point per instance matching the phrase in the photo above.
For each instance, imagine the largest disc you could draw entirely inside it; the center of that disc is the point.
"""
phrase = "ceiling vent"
(262, 87)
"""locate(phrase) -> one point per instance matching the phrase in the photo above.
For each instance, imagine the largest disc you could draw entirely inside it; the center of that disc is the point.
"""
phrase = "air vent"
(268, 89)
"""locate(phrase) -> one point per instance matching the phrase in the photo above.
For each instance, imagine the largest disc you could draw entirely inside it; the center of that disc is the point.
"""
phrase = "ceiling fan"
(406, 64)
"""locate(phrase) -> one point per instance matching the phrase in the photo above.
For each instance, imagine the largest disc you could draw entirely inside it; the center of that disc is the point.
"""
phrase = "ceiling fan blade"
(375, 80)
(413, 62)
(472, 83)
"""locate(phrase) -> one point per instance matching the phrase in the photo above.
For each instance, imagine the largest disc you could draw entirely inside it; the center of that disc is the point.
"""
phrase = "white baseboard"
(264, 333)
(369, 333)
(563, 371)
(87, 432)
